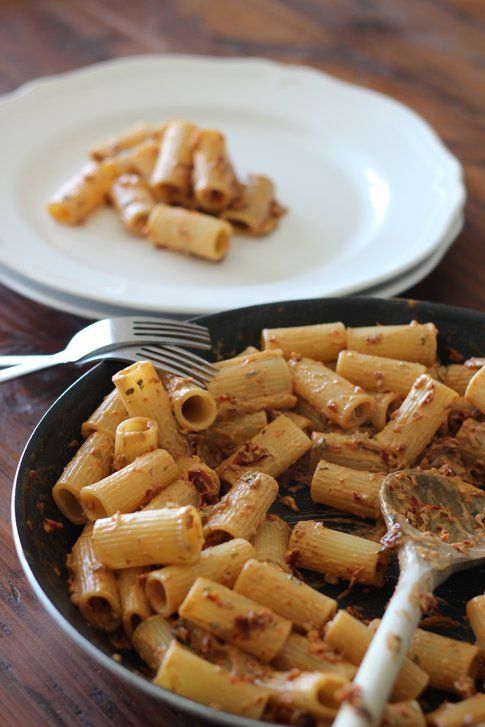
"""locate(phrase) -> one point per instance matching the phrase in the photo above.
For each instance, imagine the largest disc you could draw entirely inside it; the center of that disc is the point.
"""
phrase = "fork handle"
(389, 646)
(28, 367)
(16, 359)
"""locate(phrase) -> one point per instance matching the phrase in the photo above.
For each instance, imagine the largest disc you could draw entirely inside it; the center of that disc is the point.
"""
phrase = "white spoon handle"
(378, 671)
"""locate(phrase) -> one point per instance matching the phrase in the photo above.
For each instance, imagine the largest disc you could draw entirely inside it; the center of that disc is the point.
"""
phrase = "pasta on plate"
(173, 184)
(180, 556)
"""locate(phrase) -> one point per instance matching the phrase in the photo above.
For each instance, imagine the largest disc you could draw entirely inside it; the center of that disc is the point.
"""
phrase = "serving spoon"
(437, 522)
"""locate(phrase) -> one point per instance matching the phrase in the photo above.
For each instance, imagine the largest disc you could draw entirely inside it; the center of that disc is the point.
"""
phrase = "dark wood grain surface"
(427, 53)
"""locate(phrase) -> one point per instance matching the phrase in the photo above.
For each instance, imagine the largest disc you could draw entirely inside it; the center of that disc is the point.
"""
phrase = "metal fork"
(109, 334)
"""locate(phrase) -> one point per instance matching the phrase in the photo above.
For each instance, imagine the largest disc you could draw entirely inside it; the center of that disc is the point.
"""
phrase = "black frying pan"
(51, 446)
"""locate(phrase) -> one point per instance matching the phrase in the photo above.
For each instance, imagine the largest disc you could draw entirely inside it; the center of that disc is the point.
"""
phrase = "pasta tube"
(337, 554)
(135, 607)
(228, 435)
(215, 183)
(179, 493)
(321, 342)
(191, 233)
(242, 510)
(92, 586)
(471, 440)
(173, 168)
(271, 541)
(286, 595)
(413, 342)
(375, 373)
(133, 201)
(131, 487)
(456, 377)
(166, 588)
(195, 409)
(149, 537)
(403, 714)
(475, 611)
(255, 211)
(356, 451)
(151, 639)
(204, 478)
(446, 661)
(352, 638)
(144, 395)
(107, 416)
(235, 619)
(134, 437)
(212, 686)
(475, 391)
(308, 653)
(384, 405)
(469, 712)
(330, 394)
(83, 193)
(129, 138)
(416, 421)
(272, 451)
(345, 489)
(144, 157)
(90, 464)
(250, 383)
(313, 693)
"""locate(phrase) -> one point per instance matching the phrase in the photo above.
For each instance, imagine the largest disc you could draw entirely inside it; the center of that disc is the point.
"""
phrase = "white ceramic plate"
(371, 189)
(91, 309)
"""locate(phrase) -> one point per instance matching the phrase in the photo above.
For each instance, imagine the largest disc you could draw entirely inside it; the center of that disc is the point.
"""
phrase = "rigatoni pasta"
(286, 595)
(346, 489)
(271, 541)
(213, 686)
(107, 416)
(330, 394)
(413, 342)
(134, 437)
(255, 210)
(91, 463)
(167, 587)
(235, 619)
(215, 183)
(250, 383)
(272, 451)
(130, 487)
(321, 342)
(92, 586)
(133, 201)
(173, 184)
(375, 373)
(143, 394)
(416, 421)
(337, 554)
(242, 510)
(188, 232)
(149, 537)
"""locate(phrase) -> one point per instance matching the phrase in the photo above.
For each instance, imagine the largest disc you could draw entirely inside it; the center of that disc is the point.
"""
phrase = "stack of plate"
(375, 199)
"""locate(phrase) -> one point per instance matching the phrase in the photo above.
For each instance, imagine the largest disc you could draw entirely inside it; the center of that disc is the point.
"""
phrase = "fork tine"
(196, 332)
(194, 357)
(161, 340)
(174, 366)
(186, 325)
(179, 354)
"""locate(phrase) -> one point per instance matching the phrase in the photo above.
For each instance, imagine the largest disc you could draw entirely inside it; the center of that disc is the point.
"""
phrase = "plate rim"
(455, 188)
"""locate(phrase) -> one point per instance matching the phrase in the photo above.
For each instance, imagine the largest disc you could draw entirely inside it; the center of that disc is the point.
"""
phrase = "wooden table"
(428, 54)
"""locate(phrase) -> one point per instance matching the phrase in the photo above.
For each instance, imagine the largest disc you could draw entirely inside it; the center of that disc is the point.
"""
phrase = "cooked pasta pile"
(179, 551)
(174, 184)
